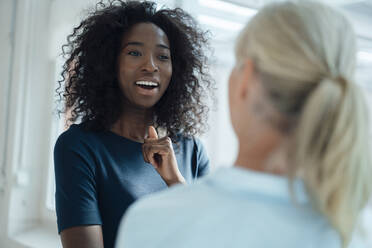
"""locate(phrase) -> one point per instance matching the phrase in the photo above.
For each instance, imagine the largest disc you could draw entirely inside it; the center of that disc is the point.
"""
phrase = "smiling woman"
(145, 67)
(131, 72)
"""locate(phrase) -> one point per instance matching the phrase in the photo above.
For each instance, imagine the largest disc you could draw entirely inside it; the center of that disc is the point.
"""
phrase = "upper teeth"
(146, 83)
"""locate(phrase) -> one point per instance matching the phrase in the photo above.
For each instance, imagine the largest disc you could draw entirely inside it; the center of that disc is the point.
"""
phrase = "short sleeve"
(202, 159)
(76, 193)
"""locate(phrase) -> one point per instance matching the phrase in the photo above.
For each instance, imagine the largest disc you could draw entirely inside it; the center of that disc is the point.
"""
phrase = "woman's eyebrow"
(134, 43)
(163, 46)
(137, 43)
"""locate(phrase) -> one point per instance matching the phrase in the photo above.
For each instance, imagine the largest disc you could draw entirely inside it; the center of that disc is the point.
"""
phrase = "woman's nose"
(150, 64)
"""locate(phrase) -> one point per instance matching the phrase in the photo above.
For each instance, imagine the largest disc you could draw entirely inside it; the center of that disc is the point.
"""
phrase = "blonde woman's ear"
(249, 77)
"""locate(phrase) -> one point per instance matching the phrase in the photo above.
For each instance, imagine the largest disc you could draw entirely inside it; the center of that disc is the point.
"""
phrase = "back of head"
(305, 55)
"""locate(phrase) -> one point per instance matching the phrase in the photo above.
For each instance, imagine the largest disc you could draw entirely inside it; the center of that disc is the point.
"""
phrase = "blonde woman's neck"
(264, 150)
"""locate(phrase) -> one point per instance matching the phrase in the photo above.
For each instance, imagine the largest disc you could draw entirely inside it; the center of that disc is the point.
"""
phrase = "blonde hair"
(304, 53)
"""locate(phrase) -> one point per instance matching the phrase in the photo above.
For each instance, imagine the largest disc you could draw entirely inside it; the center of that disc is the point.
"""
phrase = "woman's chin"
(145, 105)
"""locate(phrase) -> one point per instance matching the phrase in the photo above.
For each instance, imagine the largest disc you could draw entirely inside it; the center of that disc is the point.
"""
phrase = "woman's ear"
(248, 77)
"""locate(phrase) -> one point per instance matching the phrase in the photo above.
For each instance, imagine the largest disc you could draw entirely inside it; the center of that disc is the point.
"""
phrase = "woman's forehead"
(146, 32)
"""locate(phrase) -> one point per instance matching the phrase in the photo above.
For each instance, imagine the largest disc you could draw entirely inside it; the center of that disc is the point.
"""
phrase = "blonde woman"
(303, 171)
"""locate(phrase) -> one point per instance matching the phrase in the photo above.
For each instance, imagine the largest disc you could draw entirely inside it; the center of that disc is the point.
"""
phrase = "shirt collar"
(241, 180)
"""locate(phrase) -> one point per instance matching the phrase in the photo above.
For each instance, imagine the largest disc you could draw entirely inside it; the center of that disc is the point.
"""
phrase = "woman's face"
(145, 65)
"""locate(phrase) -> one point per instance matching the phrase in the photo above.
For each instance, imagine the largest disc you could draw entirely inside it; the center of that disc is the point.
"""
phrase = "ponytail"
(332, 152)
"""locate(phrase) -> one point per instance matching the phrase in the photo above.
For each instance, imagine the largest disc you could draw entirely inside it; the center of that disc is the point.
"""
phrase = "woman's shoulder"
(76, 134)
(73, 132)
(192, 141)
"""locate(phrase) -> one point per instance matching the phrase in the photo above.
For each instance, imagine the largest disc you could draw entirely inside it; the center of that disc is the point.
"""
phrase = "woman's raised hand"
(160, 153)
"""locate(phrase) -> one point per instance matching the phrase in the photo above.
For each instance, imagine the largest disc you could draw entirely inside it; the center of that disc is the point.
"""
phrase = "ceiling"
(260, 3)
(358, 11)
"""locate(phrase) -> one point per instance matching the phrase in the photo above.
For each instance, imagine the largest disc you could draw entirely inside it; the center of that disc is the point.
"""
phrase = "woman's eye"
(163, 57)
(134, 53)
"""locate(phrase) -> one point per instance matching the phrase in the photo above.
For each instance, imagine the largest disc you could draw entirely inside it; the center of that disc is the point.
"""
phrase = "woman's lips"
(150, 83)
(147, 88)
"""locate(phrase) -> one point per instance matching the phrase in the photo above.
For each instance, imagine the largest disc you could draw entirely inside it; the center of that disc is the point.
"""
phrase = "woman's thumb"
(152, 133)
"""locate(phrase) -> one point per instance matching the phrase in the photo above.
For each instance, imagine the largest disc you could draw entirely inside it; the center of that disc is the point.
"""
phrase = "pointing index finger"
(152, 133)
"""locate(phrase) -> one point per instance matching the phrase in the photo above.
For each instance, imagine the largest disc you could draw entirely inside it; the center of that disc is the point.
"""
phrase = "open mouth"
(148, 85)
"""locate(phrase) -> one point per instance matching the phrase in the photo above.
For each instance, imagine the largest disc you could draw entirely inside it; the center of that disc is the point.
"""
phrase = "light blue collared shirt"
(230, 208)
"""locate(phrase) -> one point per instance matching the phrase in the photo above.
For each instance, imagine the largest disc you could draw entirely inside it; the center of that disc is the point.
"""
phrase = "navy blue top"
(99, 174)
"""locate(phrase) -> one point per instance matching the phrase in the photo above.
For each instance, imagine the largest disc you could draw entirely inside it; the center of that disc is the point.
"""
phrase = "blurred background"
(31, 35)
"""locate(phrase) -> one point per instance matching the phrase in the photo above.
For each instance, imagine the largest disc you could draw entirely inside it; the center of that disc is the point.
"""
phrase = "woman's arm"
(202, 160)
(78, 217)
(82, 237)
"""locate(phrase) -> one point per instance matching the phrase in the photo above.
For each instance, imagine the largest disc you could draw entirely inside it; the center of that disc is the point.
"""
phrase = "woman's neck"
(264, 151)
(133, 124)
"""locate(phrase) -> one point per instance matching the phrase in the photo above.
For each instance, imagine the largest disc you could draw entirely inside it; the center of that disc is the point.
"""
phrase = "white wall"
(6, 14)
(6, 8)
(26, 94)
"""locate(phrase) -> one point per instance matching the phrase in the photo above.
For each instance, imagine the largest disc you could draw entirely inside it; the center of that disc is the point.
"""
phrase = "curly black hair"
(90, 85)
